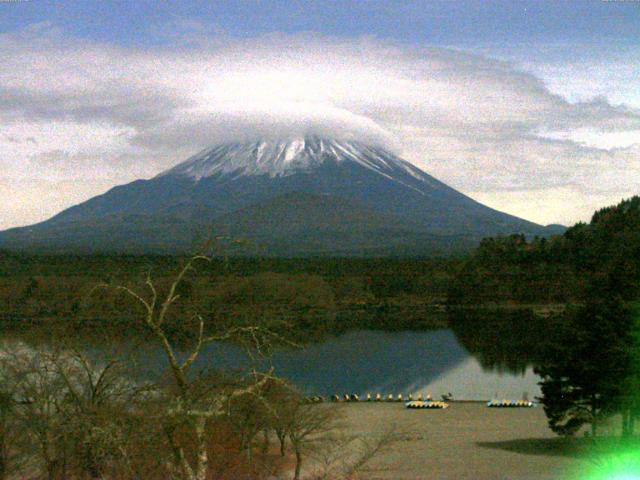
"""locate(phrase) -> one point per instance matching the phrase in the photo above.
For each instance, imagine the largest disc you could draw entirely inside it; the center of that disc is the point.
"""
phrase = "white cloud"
(100, 114)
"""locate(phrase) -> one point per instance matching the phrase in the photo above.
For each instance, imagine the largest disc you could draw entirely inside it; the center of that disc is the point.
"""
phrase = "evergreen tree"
(587, 366)
(630, 397)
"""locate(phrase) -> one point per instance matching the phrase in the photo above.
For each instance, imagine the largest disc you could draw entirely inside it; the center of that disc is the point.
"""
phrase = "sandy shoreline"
(466, 441)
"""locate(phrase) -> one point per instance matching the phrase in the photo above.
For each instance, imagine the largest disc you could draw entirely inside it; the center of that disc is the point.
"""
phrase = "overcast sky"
(532, 107)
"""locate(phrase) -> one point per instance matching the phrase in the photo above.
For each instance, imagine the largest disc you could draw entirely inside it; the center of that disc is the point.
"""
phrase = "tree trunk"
(249, 453)
(203, 458)
(298, 463)
(625, 422)
(184, 467)
(4, 467)
(283, 439)
(265, 443)
(180, 463)
(594, 420)
(54, 470)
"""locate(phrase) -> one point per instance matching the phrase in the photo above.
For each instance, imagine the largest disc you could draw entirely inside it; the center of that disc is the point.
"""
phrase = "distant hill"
(302, 196)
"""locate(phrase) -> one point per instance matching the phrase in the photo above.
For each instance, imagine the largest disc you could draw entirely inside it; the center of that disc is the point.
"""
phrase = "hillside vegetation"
(561, 269)
(313, 295)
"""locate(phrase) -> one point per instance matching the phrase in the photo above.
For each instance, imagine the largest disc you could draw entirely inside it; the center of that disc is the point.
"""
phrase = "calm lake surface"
(483, 356)
(373, 362)
(399, 362)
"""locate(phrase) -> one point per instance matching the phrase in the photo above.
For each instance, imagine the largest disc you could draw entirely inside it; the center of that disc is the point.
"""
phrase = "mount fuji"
(302, 196)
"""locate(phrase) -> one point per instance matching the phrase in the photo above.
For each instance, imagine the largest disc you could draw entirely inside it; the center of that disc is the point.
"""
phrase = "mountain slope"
(297, 197)
(299, 224)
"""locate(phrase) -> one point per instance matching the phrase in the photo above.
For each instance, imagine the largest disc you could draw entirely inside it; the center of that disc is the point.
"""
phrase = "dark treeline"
(562, 269)
(512, 270)
(335, 294)
(316, 296)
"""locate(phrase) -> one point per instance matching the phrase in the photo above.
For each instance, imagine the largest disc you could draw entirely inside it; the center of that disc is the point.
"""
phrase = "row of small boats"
(418, 402)
(490, 404)
(369, 398)
(510, 404)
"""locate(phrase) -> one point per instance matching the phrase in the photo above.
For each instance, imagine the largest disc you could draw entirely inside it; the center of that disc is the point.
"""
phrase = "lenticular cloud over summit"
(269, 121)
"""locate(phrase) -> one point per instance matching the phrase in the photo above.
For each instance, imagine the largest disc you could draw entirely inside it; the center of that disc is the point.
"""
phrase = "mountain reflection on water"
(507, 341)
(482, 356)
(400, 362)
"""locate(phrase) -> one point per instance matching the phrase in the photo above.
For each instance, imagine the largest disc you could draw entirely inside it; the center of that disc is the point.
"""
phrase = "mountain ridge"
(359, 198)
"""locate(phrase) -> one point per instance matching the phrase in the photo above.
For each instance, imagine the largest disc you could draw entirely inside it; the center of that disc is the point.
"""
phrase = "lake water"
(399, 362)
(373, 362)
(482, 357)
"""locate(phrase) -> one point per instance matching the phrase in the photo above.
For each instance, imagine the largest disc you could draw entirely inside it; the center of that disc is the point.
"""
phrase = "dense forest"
(562, 269)
(313, 295)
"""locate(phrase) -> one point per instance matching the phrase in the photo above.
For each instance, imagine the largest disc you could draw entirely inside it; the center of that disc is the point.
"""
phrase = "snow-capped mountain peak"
(279, 158)
(295, 197)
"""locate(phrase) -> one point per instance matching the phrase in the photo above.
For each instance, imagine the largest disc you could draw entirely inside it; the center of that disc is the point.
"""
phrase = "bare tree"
(347, 457)
(40, 393)
(249, 415)
(306, 424)
(367, 449)
(6, 412)
(66, 410)
(191, 406)
(97, 399)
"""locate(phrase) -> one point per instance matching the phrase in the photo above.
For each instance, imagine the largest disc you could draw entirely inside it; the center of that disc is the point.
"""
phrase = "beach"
(464, 441)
